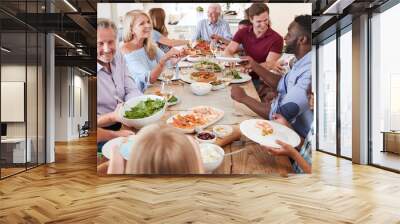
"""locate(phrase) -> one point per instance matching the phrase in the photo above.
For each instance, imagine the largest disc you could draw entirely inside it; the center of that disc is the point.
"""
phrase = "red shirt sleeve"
(238, 37)
(277, 46)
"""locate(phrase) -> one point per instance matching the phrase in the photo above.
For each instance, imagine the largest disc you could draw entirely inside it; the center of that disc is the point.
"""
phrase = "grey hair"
(215, 5)
(105, 24)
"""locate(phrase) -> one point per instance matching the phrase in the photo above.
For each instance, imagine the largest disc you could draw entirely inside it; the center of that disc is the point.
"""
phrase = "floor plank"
(69, 191)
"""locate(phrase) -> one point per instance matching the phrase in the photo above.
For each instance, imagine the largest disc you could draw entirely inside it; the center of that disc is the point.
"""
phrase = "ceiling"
(77, 27)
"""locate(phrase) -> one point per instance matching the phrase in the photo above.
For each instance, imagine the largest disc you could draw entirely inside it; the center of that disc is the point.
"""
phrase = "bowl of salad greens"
(143, 110)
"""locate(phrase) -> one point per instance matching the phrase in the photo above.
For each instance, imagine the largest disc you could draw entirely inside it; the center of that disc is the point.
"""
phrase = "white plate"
(185, 64)
(229, 59)
(194, 59)
(186, 78)
(191, 130)
(218, 87)
(281, 132)
(124, 145)
(244, 78)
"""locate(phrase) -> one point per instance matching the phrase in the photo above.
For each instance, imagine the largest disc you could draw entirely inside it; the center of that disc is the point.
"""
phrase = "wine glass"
(167, 75)
(213, 47)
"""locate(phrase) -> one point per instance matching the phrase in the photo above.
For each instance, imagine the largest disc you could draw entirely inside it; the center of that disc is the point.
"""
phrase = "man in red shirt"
(260, 42)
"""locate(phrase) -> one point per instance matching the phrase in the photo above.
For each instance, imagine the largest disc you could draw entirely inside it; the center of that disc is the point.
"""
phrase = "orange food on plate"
(266, 128)
(203, 76)
(206, 113)
(187, 121)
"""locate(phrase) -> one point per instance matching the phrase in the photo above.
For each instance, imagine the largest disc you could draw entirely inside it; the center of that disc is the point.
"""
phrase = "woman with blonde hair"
(160, 149)
(160, 32)
(144, 59)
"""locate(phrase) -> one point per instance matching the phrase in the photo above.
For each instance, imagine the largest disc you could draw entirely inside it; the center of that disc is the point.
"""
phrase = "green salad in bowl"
(143, 110)
(207, 65)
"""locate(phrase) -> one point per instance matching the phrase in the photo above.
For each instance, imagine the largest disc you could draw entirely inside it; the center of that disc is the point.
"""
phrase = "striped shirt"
(305, 152)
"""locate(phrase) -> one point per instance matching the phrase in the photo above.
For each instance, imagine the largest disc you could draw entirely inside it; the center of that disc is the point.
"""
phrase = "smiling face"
(141, 27)
(105, 44)
(260, 23)
(213, 14)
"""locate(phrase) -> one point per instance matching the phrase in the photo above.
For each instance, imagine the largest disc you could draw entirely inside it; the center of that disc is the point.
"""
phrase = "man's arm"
(267, 76)
(105, 135)
(231, 49)
(262, 109)
(107, 119)
(295, 101)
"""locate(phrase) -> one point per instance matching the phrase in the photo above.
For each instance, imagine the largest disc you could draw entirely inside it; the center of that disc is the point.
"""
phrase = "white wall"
(70, 84)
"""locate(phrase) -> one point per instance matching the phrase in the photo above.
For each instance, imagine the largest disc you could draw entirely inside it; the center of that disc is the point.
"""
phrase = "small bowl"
(212, 156)
(200, 88)
(221, 131)
(212, 140)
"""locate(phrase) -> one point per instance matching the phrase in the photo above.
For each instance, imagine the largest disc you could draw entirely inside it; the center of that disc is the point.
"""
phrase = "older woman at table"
(160, 32)
(159, 149)
(144, 59)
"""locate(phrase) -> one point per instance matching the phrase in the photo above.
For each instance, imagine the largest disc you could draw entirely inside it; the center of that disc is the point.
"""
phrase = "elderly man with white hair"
(213, 28)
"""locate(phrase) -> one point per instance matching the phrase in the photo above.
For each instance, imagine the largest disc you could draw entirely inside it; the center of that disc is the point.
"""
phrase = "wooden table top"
(251, 161)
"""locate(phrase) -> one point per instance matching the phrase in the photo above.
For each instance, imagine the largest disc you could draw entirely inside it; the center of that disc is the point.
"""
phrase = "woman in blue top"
(160, 32)
(144, 59)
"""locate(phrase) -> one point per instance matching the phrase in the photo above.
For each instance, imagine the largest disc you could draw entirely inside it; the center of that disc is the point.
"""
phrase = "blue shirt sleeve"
(295, 102)
(139, 71)
(155, 35)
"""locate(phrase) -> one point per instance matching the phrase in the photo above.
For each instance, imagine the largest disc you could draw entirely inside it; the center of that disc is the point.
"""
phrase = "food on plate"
(266, 128)
(209, 154)
(187, 121)
(190, 51)
(217, 83)
(206, 113)
(203, 76)
(145, 108)
(205, 136)
(172, 99)
(234, 73)
(222, 130)
(207, 65)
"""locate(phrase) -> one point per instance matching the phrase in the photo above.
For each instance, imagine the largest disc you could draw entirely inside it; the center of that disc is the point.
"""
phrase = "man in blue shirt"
(291, 101)
(213, 27)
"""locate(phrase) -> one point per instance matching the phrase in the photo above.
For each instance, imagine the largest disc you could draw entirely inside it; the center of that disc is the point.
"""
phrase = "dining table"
(252, 158)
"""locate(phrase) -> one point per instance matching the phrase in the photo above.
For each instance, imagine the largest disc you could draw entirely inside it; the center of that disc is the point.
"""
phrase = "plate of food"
(205, 65)
(171, 99)
(266, 132)
(201, 117)
(237, 77)
(218, 84)
(229, 59)
(123, 144)
(142, 110)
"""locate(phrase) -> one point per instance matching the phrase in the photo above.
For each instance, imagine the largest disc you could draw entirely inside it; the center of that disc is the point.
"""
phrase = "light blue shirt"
(292, 100)
(156, 36)
(140, 66)
(205, 29)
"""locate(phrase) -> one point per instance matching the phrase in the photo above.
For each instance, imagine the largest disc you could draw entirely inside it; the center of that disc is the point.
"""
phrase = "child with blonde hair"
(159, 149)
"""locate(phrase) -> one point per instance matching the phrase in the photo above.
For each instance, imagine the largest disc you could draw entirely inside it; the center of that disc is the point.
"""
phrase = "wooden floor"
(69, 191)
